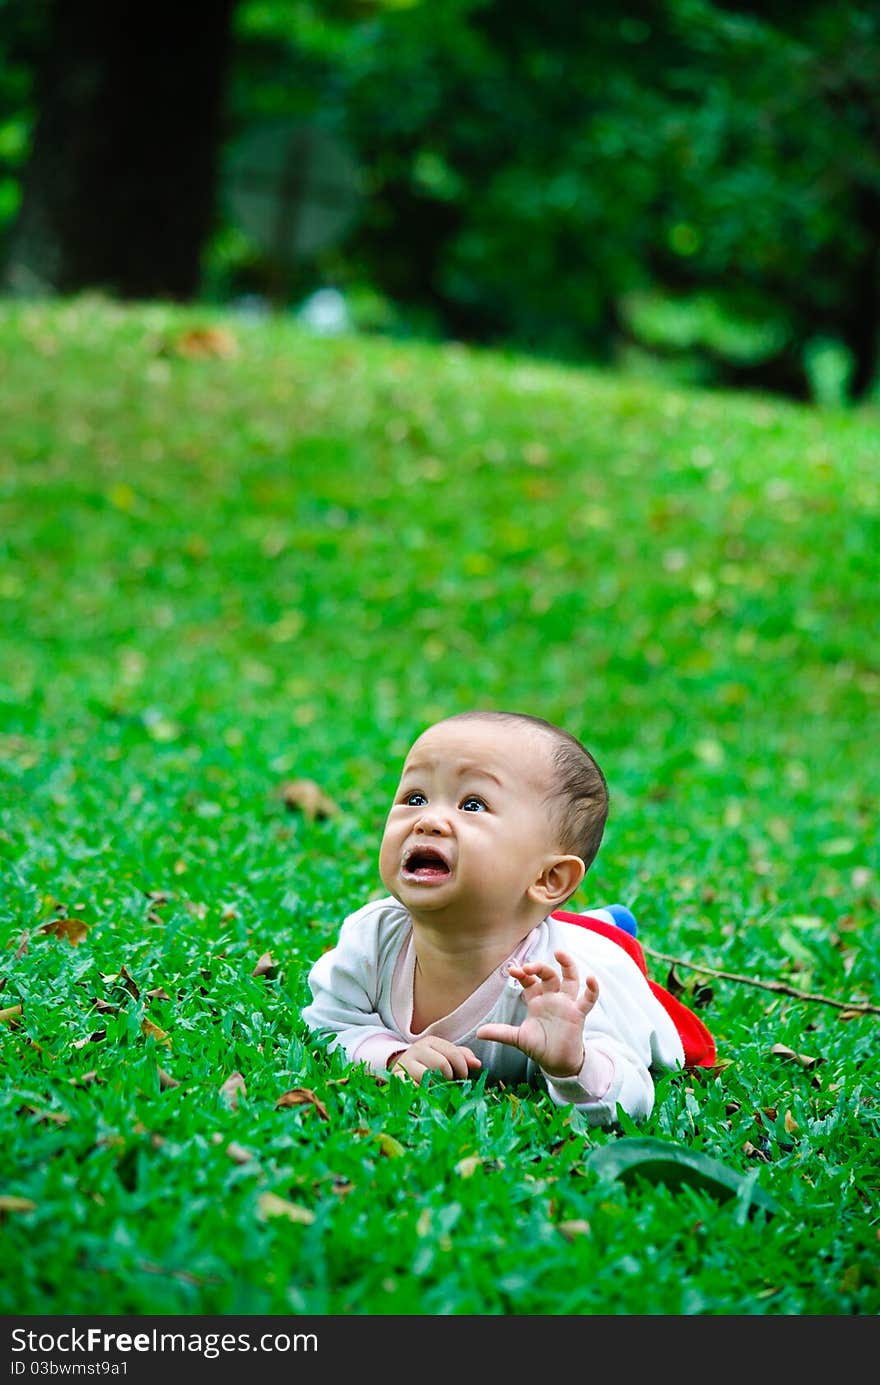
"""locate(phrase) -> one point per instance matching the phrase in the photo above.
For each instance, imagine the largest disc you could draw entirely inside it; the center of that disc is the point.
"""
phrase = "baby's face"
(470, 825)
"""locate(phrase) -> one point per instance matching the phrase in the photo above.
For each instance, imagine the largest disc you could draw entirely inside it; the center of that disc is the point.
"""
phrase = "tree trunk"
(119, 191)
(862, 334)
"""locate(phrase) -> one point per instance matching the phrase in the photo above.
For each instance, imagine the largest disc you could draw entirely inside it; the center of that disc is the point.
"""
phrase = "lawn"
(234, 557)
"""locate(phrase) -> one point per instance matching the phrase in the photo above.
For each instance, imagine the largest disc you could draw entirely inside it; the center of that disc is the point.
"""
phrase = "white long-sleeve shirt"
(362, 993)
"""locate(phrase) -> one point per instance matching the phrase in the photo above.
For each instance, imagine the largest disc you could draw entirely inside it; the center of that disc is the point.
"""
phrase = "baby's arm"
(624, 1035)
(345, 986)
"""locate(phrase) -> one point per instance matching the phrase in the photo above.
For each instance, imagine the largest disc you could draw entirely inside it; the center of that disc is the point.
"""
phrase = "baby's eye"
(415, 800)
(472, 804)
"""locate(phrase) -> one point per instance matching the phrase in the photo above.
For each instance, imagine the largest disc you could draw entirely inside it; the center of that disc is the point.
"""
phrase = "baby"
(463, 968)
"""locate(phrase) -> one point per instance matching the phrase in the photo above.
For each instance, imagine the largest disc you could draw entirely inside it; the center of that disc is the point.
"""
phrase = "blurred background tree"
(689, 186)
(123, 129)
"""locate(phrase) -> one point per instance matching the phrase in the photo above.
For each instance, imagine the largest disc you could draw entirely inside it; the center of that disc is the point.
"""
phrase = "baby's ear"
(558, 881)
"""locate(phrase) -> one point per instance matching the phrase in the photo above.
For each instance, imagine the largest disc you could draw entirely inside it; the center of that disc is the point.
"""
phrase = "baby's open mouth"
(425, 864)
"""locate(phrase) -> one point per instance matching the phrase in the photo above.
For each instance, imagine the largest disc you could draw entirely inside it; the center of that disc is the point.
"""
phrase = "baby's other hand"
(552, 1034)
(433, 1054)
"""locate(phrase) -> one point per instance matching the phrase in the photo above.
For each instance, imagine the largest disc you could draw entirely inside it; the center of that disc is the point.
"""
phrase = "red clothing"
(697, 1042)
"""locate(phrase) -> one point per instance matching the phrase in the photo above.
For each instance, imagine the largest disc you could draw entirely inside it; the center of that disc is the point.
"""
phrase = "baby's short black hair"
(580, 794)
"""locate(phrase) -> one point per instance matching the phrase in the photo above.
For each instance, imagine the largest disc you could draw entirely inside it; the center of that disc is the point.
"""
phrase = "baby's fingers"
(589, 995)
(569, 972)
(472, 1060)
(525, 978)
(413, 1073)
(499, 1033)
(440, 1063)
(541, 971)
(462, 1060)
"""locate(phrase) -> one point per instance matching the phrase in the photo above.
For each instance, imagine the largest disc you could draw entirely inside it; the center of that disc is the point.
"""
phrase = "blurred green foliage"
(22, 31)
(689, 182)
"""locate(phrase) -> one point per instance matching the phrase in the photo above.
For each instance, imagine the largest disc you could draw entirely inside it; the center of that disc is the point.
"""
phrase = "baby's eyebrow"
(415, 768)
(471, 771)
(464, 770)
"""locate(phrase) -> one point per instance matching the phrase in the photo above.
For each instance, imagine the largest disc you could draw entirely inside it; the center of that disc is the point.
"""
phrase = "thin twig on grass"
(857, 1006)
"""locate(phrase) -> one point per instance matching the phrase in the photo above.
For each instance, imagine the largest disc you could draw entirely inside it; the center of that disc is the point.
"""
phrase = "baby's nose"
(433, 823)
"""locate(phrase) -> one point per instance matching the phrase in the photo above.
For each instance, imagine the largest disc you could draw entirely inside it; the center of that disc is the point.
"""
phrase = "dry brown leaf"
(73, 930)
(18, 745)
(302, 1096)
(466, 1168)
(42, 1115)
(166, 1081)
(10, 1016)
(199, 343)
(390, 1147)
(265, 965)
(309, 798)
(86, 1080)
(232, 1088)
(674, 983)
(783, 1051)
(22, 946)
(185, 1276)
(129, 983)
(536, 454)
(238, 1154)
(8, 1203)
(752, 1152)
(270, 1205)
(103, 1005)
(152, 1031)
(790, 1124)
(112, 1141)
(571, 1229)
(158, 993)
(94, 1038)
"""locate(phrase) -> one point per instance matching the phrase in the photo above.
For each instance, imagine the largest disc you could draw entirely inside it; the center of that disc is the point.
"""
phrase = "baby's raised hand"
(433, 1054)
(552, 1034)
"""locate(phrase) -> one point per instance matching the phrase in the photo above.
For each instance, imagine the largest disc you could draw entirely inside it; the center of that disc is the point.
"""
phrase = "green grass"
(220, 574)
